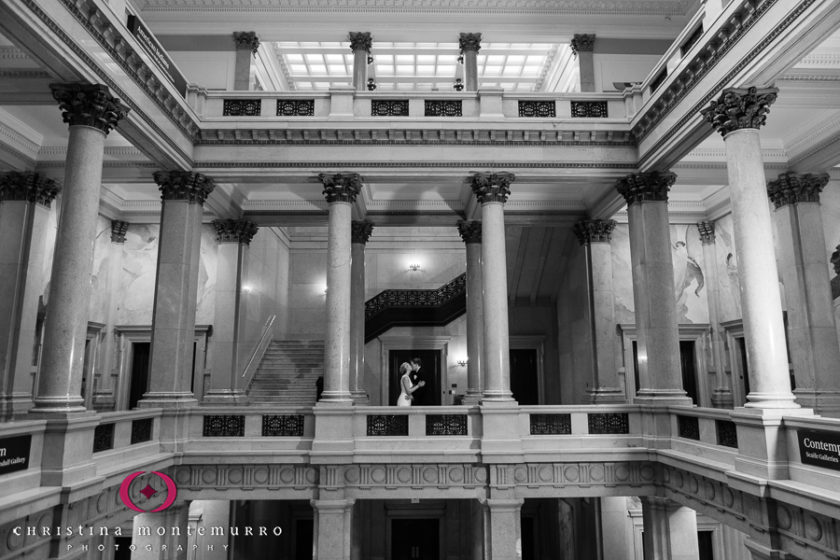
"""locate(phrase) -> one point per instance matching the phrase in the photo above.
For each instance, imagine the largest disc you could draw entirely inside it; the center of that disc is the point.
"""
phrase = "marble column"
(800, 249)
(503, 536)
(471, 234)
(470, 44)
(247, 44)
(360, 233)
(360, 44)
(25, 200)
(176, 287)
(233, 237)
(738, 115)
(340, 191)
(722, 390)
(594, 236)
(670, 530)
(583, 47)
(91, 112)
(658, 341)
(492, 191)
(333, 528)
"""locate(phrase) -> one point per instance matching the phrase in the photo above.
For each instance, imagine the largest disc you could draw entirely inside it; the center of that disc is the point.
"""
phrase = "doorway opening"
(430, 372)
(139, 373)
(415, 539)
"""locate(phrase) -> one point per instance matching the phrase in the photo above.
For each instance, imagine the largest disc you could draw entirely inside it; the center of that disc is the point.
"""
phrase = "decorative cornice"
(28, 186)
(184, 185)
(492, 187)
(235, 231)
(118, 231)
(594, 231)
(268, 164)
(341, 187)
(360, 41)
(648, 186)
(740, 108)
(582, 43)
(791, 188)
(707, 231)
(89, 105)
(470, 231)
(246, 40)
(23, 74)
(360, 231)
(469, 42)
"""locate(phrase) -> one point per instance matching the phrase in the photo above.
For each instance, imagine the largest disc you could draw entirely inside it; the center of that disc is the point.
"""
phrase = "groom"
(419, 396)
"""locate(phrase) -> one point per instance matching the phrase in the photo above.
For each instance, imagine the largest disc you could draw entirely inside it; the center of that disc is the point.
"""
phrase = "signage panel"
(158, 53)
(819, 448)
(14, 454)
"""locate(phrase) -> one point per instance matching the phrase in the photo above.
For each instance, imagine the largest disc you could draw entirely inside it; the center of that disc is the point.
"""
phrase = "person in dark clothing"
(416, 377)
(319, 388)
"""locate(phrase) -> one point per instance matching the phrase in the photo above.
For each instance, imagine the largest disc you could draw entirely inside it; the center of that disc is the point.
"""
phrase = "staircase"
(288, 373)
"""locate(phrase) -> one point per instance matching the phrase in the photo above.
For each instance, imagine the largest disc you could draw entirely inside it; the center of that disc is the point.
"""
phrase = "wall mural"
(729, 286)
(689, 280)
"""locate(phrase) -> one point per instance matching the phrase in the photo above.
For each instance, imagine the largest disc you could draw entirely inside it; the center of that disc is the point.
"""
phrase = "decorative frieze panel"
(223, 426)
(391, 476)
(198, 477)
(446, 424)
(141, 430)
(589, 109)
(389, 107)
(443, 108)
(387, 425)
(688, 427)
(608, 423)
(727, 434)
(282, 425)
(563, 475)
(295, 107)
(550, 424)
(103, 437)
(540, 109)
(242, 108)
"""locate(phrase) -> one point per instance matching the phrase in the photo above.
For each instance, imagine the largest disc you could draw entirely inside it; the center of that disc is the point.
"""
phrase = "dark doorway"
(689, 373)
(636, 365)
(304, 535)
(139, 372)
(745, 368)
(415, 539)
(523, 376)
(529, 538)
(122, 552)
(429, 395)
(705, 544)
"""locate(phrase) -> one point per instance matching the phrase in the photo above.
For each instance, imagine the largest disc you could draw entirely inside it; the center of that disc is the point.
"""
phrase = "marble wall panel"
(103, 252)
(307, 296)
(622, 275)
(574, 334)
(729, 285)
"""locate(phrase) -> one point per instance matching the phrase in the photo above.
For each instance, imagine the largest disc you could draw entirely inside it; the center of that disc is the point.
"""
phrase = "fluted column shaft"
(471, 234)
(360, 44)
(361, 233)
(470, 44)
(91, 113)
(737, 116)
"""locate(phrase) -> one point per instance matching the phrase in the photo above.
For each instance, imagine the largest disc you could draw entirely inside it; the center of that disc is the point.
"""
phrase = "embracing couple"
(408, 376)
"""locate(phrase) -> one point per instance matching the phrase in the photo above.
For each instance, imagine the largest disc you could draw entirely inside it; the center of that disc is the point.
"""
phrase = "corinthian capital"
(235, 231)
(28, 186)
(88, 105)
(360, 41)
(582, 43)
(650, 185)
(184, 185)
(341, 187)
(470, 231)
(247, 40)
(469, 42)
(594, 231)
(360, 231)
(791, 188)
(740, 108)
(492, 187)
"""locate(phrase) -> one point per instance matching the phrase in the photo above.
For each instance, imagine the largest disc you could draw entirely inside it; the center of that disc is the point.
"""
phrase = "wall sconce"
(414, 267)
(461, 59)
(370, 59)
(458, 85)
(463, 362)
(371, 85)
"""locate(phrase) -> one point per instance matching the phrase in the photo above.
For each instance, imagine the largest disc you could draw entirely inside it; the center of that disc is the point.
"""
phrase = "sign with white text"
(158, 53)
(819, 448)
(14, 454)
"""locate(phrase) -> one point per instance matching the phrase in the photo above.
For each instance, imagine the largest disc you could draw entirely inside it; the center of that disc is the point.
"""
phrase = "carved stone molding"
(235, 231)
(594, 231)
(564, 475)
(791, 188)
(492, 187)
(360, 41)
(740, 108)
(88, 105)
(341, 187)
(647, 186)
(396, 476)
(198, 477)
(469, 42)
(583, 43)
(470, 231)
(28, 186)
(707, 231)
(118, 231)
(184, 185)
(247, 40)
(360, 231)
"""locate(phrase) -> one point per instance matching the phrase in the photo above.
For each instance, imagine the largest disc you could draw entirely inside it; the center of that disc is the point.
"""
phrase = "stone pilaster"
(470, 44)
(361, 231)
(594, 236)
(91, 113)
(233, 237)
(247, 45)
(25, 199)
(360, 44)
(653, 279)
(800, 252)
(504, 535)
(583, 46)
(176, 287)
(333, 528)
(471, 234)
(670, 531)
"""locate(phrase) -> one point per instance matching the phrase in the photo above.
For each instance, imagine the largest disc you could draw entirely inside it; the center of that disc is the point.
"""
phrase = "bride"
(406, 388)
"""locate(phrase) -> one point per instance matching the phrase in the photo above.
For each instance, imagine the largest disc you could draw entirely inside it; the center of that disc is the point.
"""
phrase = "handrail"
(416, 298)
(260, 348)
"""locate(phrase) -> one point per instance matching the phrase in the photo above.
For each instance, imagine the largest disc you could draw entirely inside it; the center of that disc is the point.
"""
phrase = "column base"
(58, 405)
(501, 441)
(360, 398)
(759, 454)
(68, 445)
(722, 398)
(777, 401)
(15, 404)
(335, 397)
(472, 398)
(607, 395)
(663, 397)
(225, 396)
(167, 400)
(824, 403)
(333, 442)
(498, 396)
